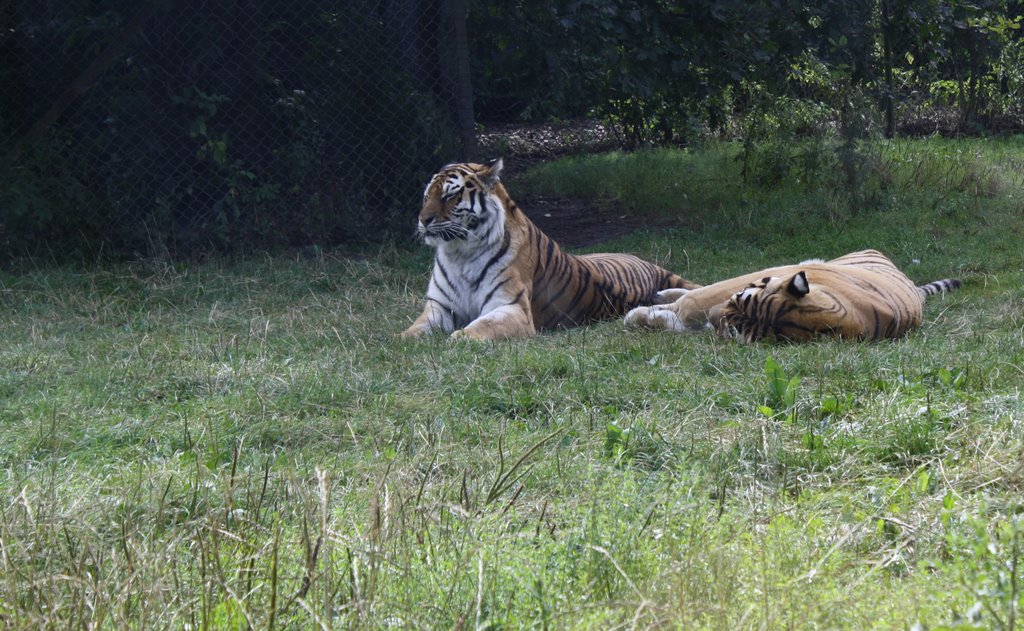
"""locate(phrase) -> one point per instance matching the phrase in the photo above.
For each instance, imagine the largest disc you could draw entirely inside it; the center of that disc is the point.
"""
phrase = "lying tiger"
(496, 275)
(861, 295)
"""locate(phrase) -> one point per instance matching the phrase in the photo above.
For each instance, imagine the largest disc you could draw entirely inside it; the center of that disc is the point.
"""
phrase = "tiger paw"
(467, 334)
(414, 332)
(637, 317)
(655, 318)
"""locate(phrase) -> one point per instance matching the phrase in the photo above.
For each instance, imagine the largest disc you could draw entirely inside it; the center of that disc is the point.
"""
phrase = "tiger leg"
(433, 318)
(695, 310)
(658, 316)
(508, 321)
(668, 296)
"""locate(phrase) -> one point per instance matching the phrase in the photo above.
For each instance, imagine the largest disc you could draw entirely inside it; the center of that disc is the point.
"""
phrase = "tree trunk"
(463, 88)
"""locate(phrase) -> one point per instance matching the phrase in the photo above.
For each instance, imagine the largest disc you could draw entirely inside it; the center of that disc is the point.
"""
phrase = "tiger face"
(772, 289)
(461, 211)
(782, 307)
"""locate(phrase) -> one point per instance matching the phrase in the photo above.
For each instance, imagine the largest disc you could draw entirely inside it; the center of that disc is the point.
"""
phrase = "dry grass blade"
(505, 479)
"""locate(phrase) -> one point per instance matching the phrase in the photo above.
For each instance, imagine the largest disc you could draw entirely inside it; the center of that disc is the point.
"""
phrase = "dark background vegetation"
(252, 124)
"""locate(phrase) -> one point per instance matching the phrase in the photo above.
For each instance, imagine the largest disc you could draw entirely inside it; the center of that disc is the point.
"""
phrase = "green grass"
(247, 443)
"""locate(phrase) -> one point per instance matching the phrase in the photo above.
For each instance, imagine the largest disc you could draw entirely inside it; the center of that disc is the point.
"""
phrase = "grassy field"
(246, 443)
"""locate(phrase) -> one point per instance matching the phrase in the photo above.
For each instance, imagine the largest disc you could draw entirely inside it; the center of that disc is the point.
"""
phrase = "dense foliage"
(222, 126)
(260, 125)
(661, 69)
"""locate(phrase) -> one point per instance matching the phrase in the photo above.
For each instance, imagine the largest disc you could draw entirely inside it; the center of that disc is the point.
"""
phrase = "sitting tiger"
(861, 295)
(497, 276)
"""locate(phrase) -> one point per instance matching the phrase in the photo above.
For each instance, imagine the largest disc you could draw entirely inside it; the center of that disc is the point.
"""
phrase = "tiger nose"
(427, 221)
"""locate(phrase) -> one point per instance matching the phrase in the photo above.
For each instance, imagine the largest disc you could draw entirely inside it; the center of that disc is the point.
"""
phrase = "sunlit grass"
(247, 443)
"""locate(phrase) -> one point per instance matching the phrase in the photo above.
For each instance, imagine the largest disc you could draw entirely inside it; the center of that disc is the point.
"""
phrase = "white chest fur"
(470, 284)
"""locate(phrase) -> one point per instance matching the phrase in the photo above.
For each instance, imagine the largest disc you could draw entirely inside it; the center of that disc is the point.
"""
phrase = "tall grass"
(246, 444)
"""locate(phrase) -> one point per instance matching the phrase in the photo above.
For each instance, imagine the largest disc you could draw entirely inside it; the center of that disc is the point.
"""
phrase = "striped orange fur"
(861, 295)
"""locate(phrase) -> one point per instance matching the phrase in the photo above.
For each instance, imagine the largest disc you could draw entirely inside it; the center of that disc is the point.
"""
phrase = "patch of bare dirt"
(574, 223)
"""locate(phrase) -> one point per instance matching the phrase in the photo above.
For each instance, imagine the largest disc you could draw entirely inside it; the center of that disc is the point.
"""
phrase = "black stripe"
(447, 296)
(518, 298)
(580, 292)
(568, 277)
(494, 259)
(551, 247)
(443, 306)
(620, 276)
(893, 329)
(568, 273)
(444, 273)
(634, 279)
(490, 294)
(785, 325)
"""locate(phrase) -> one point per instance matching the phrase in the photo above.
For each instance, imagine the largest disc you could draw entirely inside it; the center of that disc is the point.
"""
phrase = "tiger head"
(463, 207)
(784, 308)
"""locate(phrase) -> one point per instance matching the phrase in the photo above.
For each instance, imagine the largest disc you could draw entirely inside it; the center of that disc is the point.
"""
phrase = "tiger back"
(496, 275)
(861, 295)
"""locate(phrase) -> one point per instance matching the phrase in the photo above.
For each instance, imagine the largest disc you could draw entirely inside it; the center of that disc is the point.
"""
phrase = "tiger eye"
(472, 222)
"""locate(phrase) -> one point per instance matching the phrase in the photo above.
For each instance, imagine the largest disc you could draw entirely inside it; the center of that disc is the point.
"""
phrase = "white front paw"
(637, 317)
(414, 332)
(472, 333)
(658, 318)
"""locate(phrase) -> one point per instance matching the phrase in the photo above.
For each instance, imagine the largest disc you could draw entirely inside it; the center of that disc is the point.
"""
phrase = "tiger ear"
(798, 285)
(491, 175)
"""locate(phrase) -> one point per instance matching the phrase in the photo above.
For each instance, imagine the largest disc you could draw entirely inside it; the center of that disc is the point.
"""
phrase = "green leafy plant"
(616, 441)
(835, 405)
(782, 391)
(637, 446)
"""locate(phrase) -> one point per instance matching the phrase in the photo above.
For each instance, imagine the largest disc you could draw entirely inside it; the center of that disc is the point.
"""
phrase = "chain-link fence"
(162, 126)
